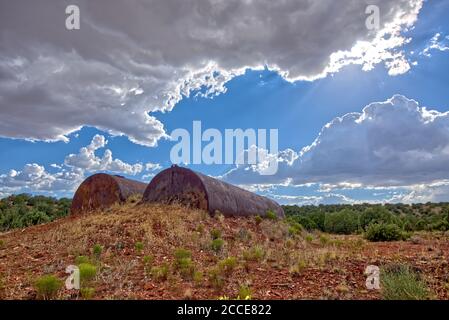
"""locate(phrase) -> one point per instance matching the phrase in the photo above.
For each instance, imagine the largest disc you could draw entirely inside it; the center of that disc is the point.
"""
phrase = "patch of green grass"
(183, 263)
(97, 250)
(215, 234)
(258, 219)
(216, 278)
(160, 273)
(87, 293)
(400, 282)
(139, 246)
(47, 287)
(244, 293)
(256, 253)
(87, 272)
(324, 240)
(227, 265)
(148, 260)
(298, 267)
(198, 277)
(271, 215)
(217, 245)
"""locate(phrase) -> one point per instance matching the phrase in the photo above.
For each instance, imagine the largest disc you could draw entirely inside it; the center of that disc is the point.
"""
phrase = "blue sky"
(266, 99)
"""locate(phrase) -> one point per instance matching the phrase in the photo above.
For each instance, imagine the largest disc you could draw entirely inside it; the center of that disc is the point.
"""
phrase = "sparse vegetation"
(97, 250)
(47, 287)
(217, 245)
(227, 265)
(271, 215)
(400, 282)
(244, 293)
(160, 273)
(87, 292)
(273, 258)
(255, 253)
(87, 273)
(139, 246)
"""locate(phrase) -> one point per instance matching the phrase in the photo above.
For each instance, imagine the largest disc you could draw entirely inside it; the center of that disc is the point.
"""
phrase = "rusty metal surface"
(193, 189)
(103, 190)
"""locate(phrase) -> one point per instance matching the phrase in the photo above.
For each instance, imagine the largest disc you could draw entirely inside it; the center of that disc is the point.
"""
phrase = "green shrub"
(227, 265)
(377, 215)
(271, 215)
(160, 273)
(139, 246)
(341, 222)
(215, 234)
(183, 263)
(216, 278)
(47, 287)
(400, 282)
(384, 232)
(148, 260)
(244, 293)
(255, 253)
(182, 253)
(198, 277)
(305, 222)
(87, 292)
(258, 219)
(217, 245)
(2, 243)
(87, 272)
(97, 250)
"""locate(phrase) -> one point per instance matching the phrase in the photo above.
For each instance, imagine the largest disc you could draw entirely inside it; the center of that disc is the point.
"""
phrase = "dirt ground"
(287, 266)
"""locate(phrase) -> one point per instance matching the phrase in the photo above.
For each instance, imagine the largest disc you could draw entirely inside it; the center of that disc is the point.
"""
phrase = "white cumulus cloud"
(391, 143)
(131, 58)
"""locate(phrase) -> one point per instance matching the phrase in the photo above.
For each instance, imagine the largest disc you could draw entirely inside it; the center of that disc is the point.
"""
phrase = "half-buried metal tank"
(195, 190)
(102, 190)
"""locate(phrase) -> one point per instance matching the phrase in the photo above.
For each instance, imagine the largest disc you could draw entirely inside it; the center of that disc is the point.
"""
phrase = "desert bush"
(47, 286)
(216, 278)
(97, 250)
(400, 282)
(139, 246)
(87, 292)
(256, 253)
(375, 215)
(341, 222)
(160, 273)
(215, 234)
(183, 263)
(227, 265)
(87, 272)
(244, 292)
(384, 232)
(148, 260)
(217, 245)
(298, 267)
(258, 219)
(271, 215)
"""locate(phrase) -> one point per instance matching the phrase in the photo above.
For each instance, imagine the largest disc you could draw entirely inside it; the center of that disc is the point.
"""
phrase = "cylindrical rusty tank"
(195, 190)
(103, 190)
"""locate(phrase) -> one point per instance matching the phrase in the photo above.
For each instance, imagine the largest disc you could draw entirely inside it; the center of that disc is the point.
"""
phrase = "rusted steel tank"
(103, 190)
(195, 190)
